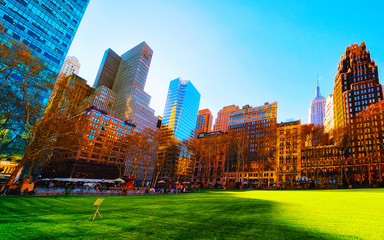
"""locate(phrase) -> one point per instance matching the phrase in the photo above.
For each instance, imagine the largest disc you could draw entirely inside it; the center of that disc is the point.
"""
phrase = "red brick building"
(103, 152)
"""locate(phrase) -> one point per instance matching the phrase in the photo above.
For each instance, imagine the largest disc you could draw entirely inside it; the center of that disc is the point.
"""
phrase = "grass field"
(328, 214)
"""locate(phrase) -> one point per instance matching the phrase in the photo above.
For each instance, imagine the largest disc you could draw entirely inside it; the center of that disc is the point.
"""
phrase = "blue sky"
(234, 52)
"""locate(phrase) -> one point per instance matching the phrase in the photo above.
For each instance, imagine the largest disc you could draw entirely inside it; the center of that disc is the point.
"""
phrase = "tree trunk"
(18, 168)
(145, 176)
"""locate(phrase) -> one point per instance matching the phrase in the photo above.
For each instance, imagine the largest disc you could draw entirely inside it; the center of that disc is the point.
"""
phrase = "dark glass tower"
(46, 26)
(127, 75)
(181, 109)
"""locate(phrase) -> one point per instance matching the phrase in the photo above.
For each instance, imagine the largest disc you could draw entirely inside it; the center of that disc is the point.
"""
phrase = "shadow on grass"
(183, 216)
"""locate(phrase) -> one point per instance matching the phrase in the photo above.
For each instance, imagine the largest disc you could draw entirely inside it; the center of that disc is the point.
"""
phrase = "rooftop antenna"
(317, 86)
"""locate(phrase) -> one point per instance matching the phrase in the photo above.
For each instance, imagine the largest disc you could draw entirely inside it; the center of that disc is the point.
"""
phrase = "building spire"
(318, 95)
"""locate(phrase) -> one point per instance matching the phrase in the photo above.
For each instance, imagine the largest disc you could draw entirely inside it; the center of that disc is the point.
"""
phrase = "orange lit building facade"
(255, 131)
(222, 119)
(103, 152)
(356, 84)
(204, 121)
(288, 152)
(68, 93)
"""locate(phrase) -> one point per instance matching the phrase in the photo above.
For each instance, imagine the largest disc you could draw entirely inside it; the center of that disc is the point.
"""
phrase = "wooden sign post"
(97, 203)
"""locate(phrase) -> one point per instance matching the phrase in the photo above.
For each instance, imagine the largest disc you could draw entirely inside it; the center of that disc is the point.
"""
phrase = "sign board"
(98, 201)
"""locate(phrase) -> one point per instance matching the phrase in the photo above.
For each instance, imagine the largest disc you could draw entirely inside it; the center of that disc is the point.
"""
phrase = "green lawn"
(327, 214)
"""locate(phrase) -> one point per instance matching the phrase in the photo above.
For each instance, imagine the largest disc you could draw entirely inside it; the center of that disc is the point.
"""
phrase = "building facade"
(126, 75)
(209, 164)
(68, 94)
(70, 66)
(204, 121)
(356, 84)
(103, 152)
(222, 119)
(181, 109)
(254, 130)
(317, 108)
(178, 124)
(288, 152)
(46, 27)
(103, 98)
(329, 122)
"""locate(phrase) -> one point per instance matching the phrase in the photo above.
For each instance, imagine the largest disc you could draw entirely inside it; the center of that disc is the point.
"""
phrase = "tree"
(142, 153)
(342, 139)
(368, 129)
(53, 132)
(241, 143)
(168, 152)
(24, 84)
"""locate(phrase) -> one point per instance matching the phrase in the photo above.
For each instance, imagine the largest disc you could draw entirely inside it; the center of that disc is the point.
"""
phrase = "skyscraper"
(329, 122)
(126, 75)
(204, 121)
(317, 109)
(356, 84)
(46, 26)
(181, 109)
(222, 119)
(70, 66)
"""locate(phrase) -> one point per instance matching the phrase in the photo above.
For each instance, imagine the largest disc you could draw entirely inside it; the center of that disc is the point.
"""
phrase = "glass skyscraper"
(181, 109)
(127, 75)
(46, 26)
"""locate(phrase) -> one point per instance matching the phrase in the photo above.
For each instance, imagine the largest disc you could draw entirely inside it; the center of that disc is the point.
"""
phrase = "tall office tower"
(126, 75)
(222, 120)
(70, 66)
(108, 69)
(356, 84)
(204, 121)
(46, 26)
(317, 109)
(181, 109)
(329, 123)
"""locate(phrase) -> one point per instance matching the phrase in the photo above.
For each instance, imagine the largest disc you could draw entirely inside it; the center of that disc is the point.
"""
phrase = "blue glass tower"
(46, 26)
(181, 108)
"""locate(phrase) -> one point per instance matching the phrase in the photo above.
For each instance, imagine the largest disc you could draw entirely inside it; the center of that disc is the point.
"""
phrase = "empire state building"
(317, 109)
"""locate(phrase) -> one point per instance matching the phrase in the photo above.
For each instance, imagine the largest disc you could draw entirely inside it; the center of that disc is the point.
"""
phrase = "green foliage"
(328, 214)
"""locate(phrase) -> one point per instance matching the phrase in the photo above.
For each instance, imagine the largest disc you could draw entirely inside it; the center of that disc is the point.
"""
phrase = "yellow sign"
(98, 201)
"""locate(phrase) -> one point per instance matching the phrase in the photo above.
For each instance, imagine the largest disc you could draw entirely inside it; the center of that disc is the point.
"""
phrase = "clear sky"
(234, 52)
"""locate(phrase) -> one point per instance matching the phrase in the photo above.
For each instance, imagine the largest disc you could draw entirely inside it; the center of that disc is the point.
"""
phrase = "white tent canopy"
(78, 180)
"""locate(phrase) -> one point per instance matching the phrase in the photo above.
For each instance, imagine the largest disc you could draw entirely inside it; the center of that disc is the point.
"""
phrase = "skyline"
(254, 55)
